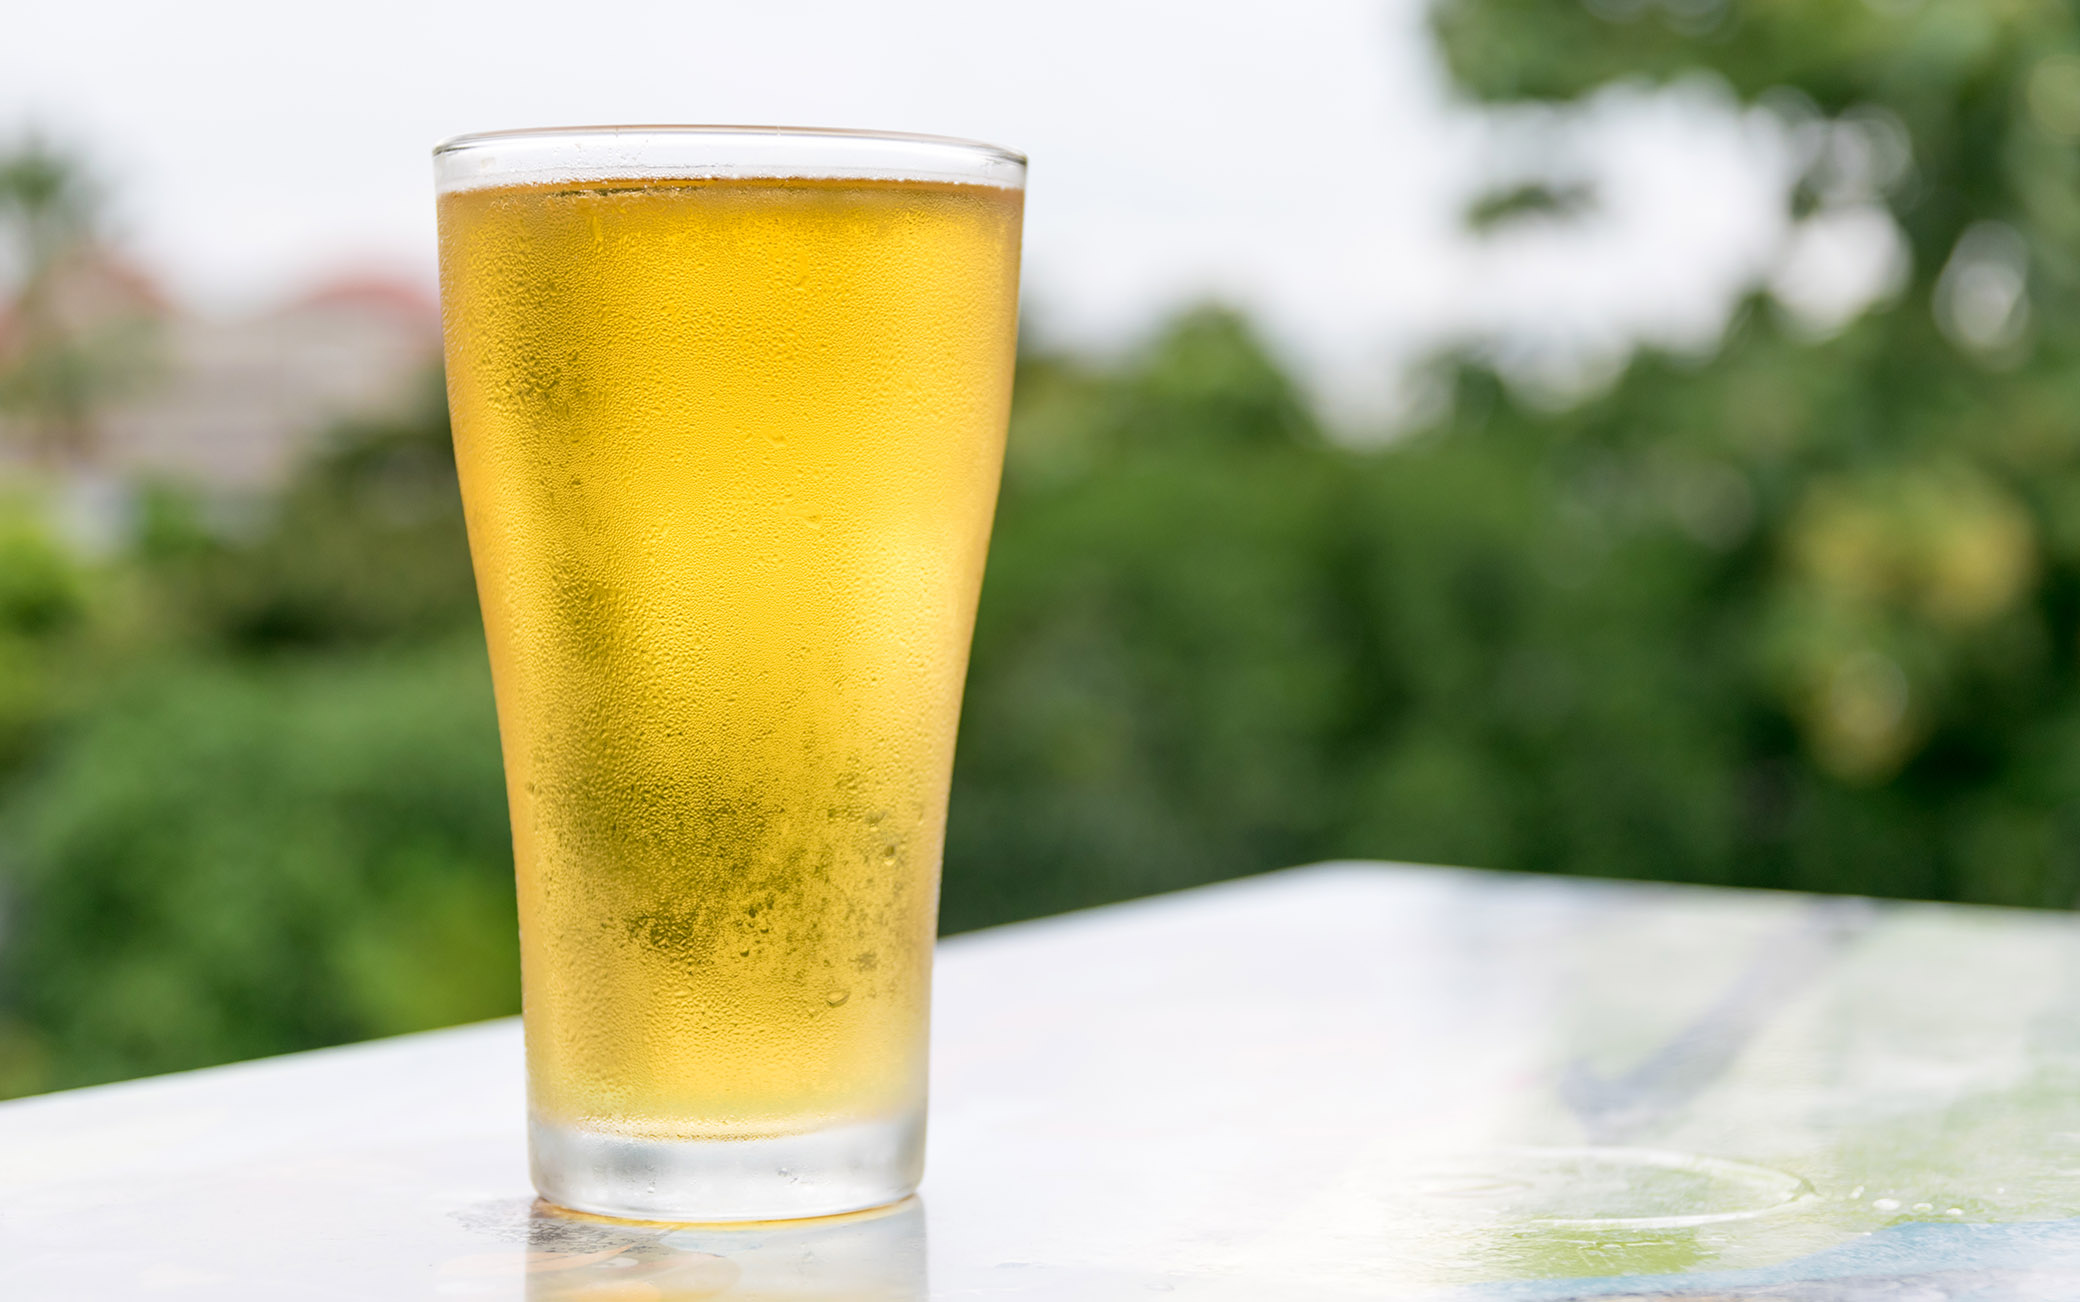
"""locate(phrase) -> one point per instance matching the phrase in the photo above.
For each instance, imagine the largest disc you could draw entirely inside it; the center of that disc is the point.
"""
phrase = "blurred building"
(216, 402)
(235, 402)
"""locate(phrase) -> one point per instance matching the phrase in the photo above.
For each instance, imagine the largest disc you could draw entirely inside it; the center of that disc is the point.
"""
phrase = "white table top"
(1352, 1081)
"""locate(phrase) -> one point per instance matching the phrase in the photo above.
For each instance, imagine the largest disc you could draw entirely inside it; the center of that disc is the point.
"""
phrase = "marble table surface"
(1340, 1082)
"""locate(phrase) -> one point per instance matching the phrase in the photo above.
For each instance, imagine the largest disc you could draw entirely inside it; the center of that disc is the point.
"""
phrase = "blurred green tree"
(1800, 614)
(71, 332)
(1902, 601)
(273, 817)
(224, 860)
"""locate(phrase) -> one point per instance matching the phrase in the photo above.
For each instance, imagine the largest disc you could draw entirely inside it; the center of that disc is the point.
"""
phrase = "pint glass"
(729, 410)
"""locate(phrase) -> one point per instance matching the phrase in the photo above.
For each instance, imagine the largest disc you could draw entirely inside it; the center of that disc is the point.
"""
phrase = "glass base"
(825, 1172)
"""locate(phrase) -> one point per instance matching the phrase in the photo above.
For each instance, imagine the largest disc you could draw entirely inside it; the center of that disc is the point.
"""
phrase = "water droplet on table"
(1611, 1188)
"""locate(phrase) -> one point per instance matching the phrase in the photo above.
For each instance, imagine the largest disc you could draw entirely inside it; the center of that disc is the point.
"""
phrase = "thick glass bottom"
(844, 1168)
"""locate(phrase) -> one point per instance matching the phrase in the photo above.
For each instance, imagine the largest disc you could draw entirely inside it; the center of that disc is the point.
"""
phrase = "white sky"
(1300, 157)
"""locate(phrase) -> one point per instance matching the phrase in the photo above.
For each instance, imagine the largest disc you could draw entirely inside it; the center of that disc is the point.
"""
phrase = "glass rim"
(662, 151)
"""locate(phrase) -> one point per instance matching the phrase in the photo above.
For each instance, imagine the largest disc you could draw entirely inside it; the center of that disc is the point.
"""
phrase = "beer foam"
(586, 155)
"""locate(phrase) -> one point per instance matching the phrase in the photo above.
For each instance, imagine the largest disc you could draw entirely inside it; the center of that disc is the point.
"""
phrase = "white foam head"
(557, 154)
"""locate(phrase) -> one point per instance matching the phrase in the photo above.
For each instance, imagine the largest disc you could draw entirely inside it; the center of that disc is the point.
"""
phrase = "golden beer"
(729, 449)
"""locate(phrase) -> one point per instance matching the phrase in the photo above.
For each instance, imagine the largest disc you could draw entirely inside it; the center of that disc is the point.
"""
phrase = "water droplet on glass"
(834, 997)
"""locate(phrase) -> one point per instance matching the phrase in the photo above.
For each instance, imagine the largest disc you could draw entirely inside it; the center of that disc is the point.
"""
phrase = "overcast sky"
(1303, 159)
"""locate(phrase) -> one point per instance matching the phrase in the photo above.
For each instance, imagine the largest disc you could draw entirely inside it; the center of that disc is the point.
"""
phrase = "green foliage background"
(1805, 613)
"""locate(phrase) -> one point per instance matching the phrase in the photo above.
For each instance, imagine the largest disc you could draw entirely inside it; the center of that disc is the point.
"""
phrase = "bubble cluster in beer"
(729, 452)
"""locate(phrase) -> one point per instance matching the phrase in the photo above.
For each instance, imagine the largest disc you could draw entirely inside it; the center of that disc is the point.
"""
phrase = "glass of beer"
(729, 409)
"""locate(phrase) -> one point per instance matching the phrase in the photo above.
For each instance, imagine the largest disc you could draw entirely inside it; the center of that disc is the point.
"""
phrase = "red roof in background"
(134, 282)
(97, 282)
(374, 291)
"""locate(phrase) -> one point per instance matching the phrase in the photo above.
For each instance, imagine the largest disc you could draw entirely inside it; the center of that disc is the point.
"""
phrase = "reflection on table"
(875, 1256)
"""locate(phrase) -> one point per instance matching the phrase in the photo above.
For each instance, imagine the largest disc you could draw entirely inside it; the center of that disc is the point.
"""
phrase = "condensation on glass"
(729, 410)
